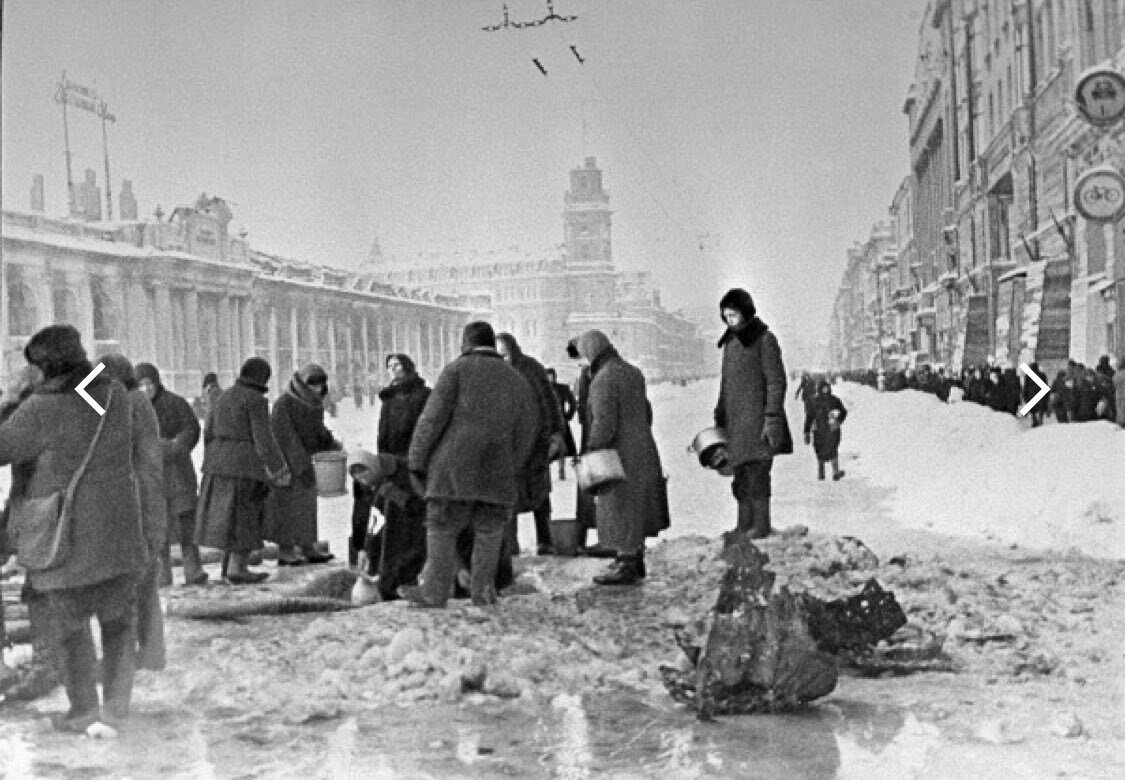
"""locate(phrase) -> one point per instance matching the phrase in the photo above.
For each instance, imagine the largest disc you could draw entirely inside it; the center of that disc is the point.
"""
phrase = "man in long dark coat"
(473, 439)
(179, 435)
(568, 405)
(535, 478)
(751, 408)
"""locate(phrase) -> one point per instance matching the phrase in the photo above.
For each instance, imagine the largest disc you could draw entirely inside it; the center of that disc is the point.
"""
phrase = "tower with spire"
(588, 241)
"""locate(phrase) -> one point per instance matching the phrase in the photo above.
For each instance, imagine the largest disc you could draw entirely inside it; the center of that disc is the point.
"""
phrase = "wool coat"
(752, 391)
(476, 431)
(403, 402)
(535, 477)
(297, 422)
(179, 434)
(237, 438)
(826, 440)
(620, 420)
(118, 515)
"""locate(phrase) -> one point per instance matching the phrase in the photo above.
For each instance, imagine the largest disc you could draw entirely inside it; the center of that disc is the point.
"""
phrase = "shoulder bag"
(42, 526)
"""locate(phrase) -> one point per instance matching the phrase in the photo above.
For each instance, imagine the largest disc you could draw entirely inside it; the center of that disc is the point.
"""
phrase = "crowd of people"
(99, 494)
(1077, 393)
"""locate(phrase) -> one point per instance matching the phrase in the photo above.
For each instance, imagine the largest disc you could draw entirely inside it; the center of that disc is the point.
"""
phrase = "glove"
(773, 433)
(808, 438)
(418, 482)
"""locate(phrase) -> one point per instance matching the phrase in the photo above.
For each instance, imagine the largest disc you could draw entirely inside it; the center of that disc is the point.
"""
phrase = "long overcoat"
(476, 431)
(535, 477)
(118, 513)
(237, 438)
(179, 435)
(620, 419)
(825, 438)
(402, 404)
(752, 388)
(297, 422)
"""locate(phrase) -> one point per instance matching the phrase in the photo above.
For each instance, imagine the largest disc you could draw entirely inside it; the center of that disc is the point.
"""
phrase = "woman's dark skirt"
(230, 513)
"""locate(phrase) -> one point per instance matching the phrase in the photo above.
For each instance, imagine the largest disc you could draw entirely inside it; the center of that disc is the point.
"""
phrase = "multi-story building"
(548, 297)
(184, 294)
(1003, 267)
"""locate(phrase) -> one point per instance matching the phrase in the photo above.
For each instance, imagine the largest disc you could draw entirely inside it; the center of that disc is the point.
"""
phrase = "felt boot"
(761, 524)
(625, 571)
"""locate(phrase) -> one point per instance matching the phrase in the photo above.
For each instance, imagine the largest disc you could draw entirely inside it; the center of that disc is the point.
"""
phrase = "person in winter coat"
(1061, 391)
(241, 459)
(1030, 390)
(116, 516)
(150, 613)
(822, 429)
(211, 392)
(584, 509)
(42, 673)
(179, 435)
(535, 478)
(402, 403)
(620, 420)
(472, 442)
(751, 408)
(568, 405)
(297, 422)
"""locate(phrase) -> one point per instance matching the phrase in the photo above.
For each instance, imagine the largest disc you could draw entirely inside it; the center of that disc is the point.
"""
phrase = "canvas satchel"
(42, 525)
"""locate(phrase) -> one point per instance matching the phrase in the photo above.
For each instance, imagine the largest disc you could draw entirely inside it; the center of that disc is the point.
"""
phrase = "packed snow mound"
(964, 469)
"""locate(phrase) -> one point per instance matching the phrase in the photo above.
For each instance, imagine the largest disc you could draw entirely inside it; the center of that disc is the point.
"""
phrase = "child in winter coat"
(825, 415)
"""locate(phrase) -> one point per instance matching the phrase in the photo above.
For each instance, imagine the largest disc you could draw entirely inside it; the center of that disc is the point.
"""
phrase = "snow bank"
(966, 470)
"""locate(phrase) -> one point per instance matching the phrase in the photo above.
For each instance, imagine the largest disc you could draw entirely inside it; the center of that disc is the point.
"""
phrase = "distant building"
(545, 298)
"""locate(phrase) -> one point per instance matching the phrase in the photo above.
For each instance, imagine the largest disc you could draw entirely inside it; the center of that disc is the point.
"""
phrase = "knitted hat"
(739, 300)
(256, 372)
(57, 350)
(148, 371)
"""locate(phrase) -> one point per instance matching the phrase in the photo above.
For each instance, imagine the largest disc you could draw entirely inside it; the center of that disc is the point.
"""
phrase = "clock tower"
(588, 246)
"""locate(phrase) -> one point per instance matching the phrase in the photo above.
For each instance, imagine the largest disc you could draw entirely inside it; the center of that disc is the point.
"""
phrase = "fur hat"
(739, 300)
(118, 367)
(256, 372)
(478, 334)
(56, 350)
(150, 372)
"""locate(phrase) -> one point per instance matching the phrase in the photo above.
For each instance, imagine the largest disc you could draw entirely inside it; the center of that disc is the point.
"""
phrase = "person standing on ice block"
(751, 408)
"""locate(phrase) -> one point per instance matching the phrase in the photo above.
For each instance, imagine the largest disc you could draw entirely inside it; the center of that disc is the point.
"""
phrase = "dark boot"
(820, 469)
(745, 516)
(625, 571)
(119, 648)
(761, 525)
(80, 665)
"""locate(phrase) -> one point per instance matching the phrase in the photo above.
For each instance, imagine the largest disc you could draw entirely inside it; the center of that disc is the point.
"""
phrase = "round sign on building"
(1099, 194)
(1100, 96)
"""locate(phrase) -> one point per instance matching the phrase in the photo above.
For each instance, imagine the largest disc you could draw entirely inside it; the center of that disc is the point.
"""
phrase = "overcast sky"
(772, 127)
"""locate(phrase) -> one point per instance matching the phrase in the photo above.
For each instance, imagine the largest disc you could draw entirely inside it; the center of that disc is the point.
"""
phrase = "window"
(105, 311)
(24, 317)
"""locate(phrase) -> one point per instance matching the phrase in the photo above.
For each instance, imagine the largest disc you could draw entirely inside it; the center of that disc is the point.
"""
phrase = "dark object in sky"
(502, 25)
(550, 17)
(539, 65)
(577, 56)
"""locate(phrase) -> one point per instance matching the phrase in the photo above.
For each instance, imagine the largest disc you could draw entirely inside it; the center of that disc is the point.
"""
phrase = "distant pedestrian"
(297, 421)
(822, 429)
(470, 446)
(211, 392)
(241, 459)
(1030, 390)
(751, 408)
(568, 405)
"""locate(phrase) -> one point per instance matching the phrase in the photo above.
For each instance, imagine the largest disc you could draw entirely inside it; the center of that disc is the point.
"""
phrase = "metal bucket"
(331, 473)
(705, 443)
(564, 535)
(599, 470)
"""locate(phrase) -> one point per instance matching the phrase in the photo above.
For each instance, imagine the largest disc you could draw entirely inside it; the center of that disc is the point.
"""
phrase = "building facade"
(1000, 266)
(190, 298)
(548, 297)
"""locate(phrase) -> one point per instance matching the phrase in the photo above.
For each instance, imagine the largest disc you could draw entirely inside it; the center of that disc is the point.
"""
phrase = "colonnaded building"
(185, 294)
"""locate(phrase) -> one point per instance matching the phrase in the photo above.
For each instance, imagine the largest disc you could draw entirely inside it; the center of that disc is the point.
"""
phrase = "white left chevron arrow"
(1043, 389)
(81, 389)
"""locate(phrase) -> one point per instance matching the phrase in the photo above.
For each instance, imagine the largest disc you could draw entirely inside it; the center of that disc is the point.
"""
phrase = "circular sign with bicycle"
(1099, 194)
(1100, 96)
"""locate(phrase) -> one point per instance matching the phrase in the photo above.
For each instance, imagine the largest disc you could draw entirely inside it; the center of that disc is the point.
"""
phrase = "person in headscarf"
(621, 419)
(535, 477)
(751, 408)
(211, 391)
(179, 436)
(823, 419)
(241, 459)
(150, 614)
(297, 421)
(474, 437)
(115, 517)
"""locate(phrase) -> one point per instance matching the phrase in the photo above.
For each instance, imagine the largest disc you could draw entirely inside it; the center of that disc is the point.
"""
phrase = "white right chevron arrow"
(1044, 388)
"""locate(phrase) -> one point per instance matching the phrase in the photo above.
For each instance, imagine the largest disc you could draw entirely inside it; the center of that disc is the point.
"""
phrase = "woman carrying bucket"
(297, 421)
